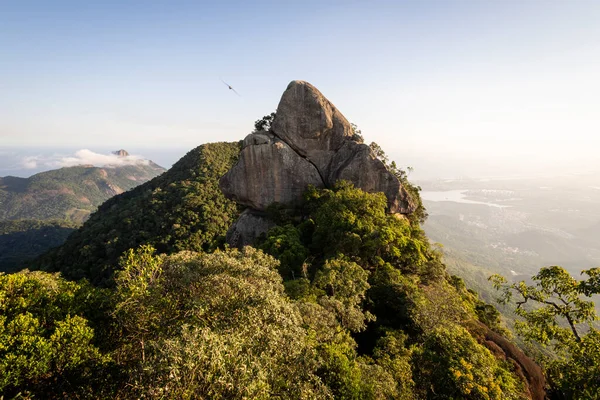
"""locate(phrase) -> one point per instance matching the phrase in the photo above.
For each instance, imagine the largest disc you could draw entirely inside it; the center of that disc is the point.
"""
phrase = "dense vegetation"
(377, 274)
(70, 193)
(182, 209)
(23, 240)
(561, 317)
(339, 300)
(354, 304)
(39, 213)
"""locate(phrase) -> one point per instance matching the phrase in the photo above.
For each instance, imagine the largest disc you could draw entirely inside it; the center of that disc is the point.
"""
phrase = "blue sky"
(490, 85)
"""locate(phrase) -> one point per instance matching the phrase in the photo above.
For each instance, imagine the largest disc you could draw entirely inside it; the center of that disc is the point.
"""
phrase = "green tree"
(345, 284)
(47, 342)
(285, 244)
(452, 365)
(265, 123)
(559, 316)
(213, 326)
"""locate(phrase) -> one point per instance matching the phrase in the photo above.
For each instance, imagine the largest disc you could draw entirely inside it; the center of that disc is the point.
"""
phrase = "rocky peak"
(310, 124)
(121, 153)
(310, 143)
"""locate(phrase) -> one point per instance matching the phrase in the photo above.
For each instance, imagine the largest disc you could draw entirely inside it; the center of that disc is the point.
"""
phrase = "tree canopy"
(557, 311)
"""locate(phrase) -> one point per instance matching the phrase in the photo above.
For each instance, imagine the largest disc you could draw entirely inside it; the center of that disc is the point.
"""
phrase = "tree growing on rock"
(265, 123)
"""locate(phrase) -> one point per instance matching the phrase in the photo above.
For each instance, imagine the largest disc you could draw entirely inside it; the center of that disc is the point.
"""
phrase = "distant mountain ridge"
(70, 193)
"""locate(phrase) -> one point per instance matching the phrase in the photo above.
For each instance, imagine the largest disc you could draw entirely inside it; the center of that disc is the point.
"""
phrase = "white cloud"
(30, 162)
(82, 157)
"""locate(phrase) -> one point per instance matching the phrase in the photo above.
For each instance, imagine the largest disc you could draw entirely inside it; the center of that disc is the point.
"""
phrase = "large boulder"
(355, 162)
(318, 131)
(268, 171)
(310, 143)
(310, 124)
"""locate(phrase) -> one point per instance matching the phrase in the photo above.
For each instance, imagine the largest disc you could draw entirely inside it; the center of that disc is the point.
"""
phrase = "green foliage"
(354, 223)
(345, 284)
(70, 193)
(23, 240)
(393, 297)
(352, 377)
(265, 123)
(558, 297)
(560, 317)
(284, 243)
(486, 313)
(576, 375)
(183, 209)
(46, 338)
(393, 356)
(211, 326)
(439, 306)
(451, 364)
(348, 221)
(375, 276)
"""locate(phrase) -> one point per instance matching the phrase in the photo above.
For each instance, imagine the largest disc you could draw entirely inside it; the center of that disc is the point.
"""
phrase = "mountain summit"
(309, 143)
(121, 153)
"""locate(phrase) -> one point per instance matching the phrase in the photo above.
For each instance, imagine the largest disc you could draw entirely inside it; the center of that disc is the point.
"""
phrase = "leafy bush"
(451, 364)
(230, 332)
(46, 337)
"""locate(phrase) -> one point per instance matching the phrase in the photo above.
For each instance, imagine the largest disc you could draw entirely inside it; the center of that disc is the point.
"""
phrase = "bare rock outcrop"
(249, 226)
(311, 124)
(310, 143)
(355, 162)
(121, 153)
(268, 171)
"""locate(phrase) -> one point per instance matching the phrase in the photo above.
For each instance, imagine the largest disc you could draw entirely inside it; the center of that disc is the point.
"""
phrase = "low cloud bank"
(82, 157)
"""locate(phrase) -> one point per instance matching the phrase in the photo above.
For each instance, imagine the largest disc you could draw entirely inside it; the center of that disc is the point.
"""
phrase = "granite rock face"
(310, 143)
(310, 124)
(268, 171)
(355, 162)
(248, 227)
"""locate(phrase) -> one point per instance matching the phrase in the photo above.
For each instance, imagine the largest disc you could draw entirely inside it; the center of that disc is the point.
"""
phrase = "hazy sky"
(473, 86)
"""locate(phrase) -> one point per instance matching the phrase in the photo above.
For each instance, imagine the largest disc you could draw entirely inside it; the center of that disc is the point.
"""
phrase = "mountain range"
(70, 193)
(40, 212)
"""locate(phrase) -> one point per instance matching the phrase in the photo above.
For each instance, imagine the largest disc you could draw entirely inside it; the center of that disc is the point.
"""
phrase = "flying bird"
(230, 88)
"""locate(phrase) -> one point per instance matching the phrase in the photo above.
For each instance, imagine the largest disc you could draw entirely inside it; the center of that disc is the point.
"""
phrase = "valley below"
(514, 226)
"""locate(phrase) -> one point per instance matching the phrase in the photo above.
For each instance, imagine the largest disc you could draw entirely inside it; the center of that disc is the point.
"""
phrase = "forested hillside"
(182, 209)
(39, 212)
(341, 295)
(69, 193)
(24, 240)
(361, 308)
